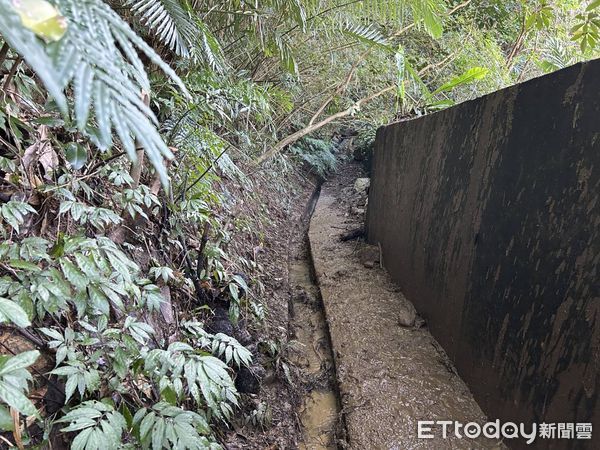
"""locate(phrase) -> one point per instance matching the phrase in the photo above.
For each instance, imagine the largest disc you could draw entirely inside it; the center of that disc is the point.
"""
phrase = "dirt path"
(391, 372)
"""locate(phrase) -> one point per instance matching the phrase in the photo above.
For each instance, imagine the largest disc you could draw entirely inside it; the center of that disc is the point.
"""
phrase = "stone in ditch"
(361, 185)
(407, 315)
(369, 264)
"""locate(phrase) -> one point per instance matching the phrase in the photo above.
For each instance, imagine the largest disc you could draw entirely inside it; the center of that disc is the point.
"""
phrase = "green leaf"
(10, 311)
(14, 397)
(25, 265)
(6, 420)
(169, 396)
(99, 300)
(19, 362)
(593, 5)
(81, 440)
(76, 155)
(400, 71)
(429, 13)
(473, 74)
(158, 433)
(31, 49)
(146, 424)
(73, 274)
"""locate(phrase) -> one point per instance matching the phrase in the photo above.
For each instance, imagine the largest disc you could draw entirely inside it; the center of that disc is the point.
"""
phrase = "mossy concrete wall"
(488, 214)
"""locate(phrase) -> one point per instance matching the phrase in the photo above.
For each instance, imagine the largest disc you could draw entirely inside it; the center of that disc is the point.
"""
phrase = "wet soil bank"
(391, 372)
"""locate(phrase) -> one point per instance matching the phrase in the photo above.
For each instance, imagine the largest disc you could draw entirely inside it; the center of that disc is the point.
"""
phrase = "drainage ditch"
(320, 411)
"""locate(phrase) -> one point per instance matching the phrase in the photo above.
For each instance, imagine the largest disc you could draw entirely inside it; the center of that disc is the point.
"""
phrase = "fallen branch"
(309, 129)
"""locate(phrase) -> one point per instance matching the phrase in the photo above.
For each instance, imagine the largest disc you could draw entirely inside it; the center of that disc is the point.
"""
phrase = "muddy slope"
(391, 371)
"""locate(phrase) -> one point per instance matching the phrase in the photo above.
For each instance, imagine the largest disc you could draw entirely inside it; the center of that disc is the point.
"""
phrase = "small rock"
(361, 185)
(369, 264)
(357, 211)
(407, 315)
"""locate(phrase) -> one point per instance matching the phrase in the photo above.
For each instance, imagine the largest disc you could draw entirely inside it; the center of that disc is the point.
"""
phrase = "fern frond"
(179, 28)
(99, 57)
(556, 55)
(169, 20)
(367, 34)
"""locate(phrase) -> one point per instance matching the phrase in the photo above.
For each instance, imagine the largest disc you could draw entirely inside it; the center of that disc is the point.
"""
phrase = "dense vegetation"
(98, 244)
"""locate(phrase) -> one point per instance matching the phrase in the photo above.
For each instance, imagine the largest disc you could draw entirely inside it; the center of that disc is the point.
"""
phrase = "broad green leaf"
(15, 398)
(429, 13)
(6, 420)
(146, 424)
(593, 5)
(81, 440)
(76, 155)
(10, 311)
(73, 274)
(25, 265)
(19, 362)
(158, 433)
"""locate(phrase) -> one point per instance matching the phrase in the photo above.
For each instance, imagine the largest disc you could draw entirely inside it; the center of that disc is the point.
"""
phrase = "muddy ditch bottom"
(390, 371)
(311, 347)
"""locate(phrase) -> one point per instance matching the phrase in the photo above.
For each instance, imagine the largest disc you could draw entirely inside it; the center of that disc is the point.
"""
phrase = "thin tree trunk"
(136, 167)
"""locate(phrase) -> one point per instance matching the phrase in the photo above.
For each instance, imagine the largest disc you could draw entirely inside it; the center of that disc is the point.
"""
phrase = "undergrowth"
(317, 153)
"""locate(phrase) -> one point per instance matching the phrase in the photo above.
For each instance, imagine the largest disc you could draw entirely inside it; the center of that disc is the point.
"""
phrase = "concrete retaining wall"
(488, 215)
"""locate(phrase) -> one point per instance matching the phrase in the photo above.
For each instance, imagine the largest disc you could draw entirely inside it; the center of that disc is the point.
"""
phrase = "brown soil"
(276, 207)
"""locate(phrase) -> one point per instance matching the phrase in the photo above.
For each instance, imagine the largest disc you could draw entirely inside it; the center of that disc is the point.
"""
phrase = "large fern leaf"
(170, 21)
(98, 57)
(368, 34)
(178, 27)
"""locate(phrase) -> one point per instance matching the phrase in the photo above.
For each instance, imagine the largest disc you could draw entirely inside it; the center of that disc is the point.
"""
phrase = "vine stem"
(3, 53)
(13, 71)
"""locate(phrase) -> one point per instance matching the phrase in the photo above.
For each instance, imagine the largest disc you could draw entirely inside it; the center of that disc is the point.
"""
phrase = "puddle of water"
(320, 410)
(319, 418)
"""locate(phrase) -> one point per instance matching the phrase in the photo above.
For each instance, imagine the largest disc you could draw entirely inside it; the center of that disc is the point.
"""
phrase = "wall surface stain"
(488, 215)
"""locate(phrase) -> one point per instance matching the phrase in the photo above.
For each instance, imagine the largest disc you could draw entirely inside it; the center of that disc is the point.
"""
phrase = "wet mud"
(320, 411)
